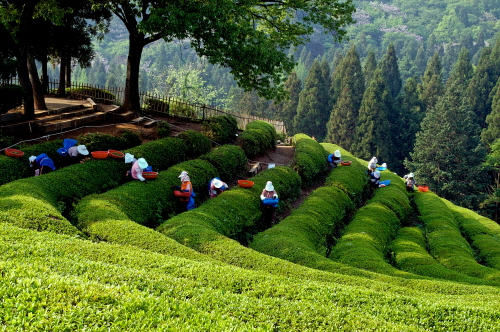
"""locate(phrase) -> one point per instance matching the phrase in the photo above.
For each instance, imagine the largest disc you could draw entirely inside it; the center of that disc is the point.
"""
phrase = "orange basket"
(100, 154)
(115, 154)
(423, 188)
(245, 183)
(346, 162)
(150, 175)
(14, 153)
(178, 193)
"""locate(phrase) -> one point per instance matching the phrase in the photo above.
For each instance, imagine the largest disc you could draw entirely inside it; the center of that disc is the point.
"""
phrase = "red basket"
(245, 183)
(423, 188)
(346, 162)
(116, 154)
(150, 175)
(14, 153)
(178, 193)
(100, 154)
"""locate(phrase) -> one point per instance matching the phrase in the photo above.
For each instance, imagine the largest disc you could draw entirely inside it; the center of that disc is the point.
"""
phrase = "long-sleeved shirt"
(136, 172)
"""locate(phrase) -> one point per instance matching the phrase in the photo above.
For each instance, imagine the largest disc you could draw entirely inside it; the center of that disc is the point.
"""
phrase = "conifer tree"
(411, 110)
(390, 70)
(341, 127)
(312, 109)
(420, 62)
(349, 73)
(481, 85)
(431, 88)
(374, 134)
(492, 132)
(369, 66)
(448, 155)
(288, 108)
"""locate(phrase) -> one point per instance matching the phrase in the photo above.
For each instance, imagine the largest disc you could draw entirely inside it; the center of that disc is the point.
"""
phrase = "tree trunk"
(132, 99)
(68, 69)
(38, 94)
(45, 76)
(22, 70)
(62, 74)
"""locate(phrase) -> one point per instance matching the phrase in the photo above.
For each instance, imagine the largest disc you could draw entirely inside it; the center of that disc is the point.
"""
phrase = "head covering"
(384, 165)
(269, 186)
(337, 153)
(129, 158)
(32, 159)
(184, 176)
(82, 149)
(218, 183)
(376, 174)
(410, 175)
(374, 159)
(142, 163)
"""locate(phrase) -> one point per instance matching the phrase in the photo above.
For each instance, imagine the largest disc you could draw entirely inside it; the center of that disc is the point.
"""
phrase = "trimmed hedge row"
(410, 254)
(52, 281)
(310, 158)
(221, 129)
(17, 168)
(118, 215)
(196, 142)
(40, 202)
(445, 240)
(258, 137)
(482, 233)
(365, 243)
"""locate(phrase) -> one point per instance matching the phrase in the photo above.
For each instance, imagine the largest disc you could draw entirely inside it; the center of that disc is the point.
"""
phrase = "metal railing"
(151, 102)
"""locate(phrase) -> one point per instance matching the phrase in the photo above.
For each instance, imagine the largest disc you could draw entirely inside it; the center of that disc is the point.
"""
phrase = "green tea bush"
(162, 153)
(105, 142)
(445, 240)
(221, 129)
(268, 130)
(163, 129)
(11, 96)
(253, 142)
(309, 159)
(197, 144)
(229, 160)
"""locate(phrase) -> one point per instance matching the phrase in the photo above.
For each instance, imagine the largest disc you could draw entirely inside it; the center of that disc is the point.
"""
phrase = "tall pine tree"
(431, 88)
(349, 73)
(492, 131)
(448, 155)
(312, 109)
(341, 128)
(374, 132)
(288, 108)
(390, 70)
(369, 66)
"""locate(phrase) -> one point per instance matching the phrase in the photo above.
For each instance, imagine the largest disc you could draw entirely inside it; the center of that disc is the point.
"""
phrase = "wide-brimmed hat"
(82, 149)
(376, 174)
(218, 183)
(32, 159)
(183, 173)
(142, 163)
(384, 165)
(129, 158)
(337, 153)
(411, 175)
(269, 186)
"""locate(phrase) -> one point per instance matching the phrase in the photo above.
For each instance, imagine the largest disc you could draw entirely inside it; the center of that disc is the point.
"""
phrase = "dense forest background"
(415, 84)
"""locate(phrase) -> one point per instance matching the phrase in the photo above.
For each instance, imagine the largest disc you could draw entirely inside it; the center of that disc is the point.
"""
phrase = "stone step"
(124, 117)
(68, 114)
(73, 122)
(58, 111)
(149, 124)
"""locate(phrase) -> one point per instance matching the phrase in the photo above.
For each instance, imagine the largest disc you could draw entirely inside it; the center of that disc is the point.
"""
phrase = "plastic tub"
(14, 153)
(178, 193)
(116, 154)
(150, 175)
(381, 168)
(100, 154)
(346, 162)
(270, 201)
(245, 183)
(423, 188)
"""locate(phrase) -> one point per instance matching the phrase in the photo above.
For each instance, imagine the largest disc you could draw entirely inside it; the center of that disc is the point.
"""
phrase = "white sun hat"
(269, 186)
(129, 158)
(82, 149)
(183, 173)
(142, 163)
(411, 175)
(384, 165)
(32, 159)
(218, 183)
(337, 153)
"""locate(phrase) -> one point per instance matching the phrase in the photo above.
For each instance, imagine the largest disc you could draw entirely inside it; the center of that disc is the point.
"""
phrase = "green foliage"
(221, 129)
(229, 160)
(492, 131)
(197, 144)
(310, 159)
(258, 137)
(163, 129)
(98, 95)
(163, 153)
(11, 96)
(268, 130)
(103, 142)
(174, 107)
